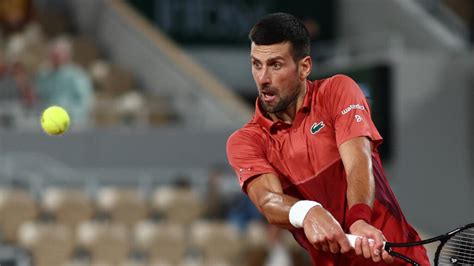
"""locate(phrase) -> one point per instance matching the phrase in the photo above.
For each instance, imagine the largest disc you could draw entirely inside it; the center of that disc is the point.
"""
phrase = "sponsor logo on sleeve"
(352, 107)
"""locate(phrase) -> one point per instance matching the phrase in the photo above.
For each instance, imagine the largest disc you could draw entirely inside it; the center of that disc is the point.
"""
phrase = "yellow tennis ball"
(55, 120)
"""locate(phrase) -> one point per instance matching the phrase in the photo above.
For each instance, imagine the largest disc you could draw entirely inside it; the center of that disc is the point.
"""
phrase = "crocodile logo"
(316, 127)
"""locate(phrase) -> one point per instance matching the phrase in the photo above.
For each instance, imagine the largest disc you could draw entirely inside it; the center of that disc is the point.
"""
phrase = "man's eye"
(257, 64)
(277, 65)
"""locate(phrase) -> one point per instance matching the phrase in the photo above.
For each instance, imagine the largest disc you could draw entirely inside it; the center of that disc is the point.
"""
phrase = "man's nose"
(264, 76)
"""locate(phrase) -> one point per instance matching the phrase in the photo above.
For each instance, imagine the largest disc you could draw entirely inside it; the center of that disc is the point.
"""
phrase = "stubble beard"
(283, 104)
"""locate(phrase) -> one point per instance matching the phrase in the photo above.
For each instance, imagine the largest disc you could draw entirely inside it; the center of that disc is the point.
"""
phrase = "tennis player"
(308, 159)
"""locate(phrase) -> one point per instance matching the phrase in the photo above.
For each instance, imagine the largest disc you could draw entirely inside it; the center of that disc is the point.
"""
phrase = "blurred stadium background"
(143, 178)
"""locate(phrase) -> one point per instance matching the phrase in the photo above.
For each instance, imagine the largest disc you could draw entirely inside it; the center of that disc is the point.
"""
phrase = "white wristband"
(299, 210)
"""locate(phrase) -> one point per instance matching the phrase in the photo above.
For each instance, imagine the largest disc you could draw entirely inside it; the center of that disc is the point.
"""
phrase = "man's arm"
(356, 156)
(320, 227)
(266, 193)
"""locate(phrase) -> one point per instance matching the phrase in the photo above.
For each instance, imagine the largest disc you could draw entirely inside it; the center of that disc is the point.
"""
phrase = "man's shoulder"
(333, 87)
(333, 82)
(251, 131)
(341, 80)
(248, 140)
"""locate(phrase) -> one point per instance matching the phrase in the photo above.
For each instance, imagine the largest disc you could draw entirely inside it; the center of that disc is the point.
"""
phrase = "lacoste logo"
(316, 127)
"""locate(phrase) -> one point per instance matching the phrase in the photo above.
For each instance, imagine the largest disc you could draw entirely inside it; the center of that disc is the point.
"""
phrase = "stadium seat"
(50, 244)
(122, 205)
(27, 47)
(256, 234)
(134, 263)
(102, 263)
(299, 256)
(99, 263)
(16, 207)
(255, 248)
(69, 206)
(85, 51)
(217, 242)
(110, 79)
(76, 263)
(178, 205)
(160, 111)
(118, 101)
(107, 243)
(163, 242)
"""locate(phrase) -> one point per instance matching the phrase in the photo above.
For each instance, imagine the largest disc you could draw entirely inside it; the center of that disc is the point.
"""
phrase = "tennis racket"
(455, 247)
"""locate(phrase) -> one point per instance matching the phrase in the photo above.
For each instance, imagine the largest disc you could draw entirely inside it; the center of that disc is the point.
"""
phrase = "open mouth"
(268, 96)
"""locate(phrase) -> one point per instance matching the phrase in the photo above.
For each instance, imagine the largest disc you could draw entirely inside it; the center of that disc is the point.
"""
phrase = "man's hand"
(324, 232)
(370, 249)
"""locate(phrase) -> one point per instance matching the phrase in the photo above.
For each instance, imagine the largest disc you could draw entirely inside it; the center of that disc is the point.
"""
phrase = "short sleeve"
(350, 111)
(246, 154)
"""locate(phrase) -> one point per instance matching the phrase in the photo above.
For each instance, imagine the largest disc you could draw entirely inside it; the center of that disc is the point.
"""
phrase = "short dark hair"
(282, 27)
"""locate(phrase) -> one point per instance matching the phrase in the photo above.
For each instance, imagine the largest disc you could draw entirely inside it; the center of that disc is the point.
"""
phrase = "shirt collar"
(269, 124)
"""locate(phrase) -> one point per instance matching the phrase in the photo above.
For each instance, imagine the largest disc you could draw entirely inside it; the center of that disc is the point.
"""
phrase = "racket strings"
(459, 249)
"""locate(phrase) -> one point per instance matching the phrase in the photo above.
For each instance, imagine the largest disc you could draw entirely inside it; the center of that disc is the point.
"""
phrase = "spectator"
(215, 203)
(65, 84)
(242, 211)
(224, 200)
(15, 14)
(14, 83)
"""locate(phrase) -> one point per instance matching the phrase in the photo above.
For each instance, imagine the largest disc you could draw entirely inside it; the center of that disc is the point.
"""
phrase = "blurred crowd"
(172, 223)
(44, 61)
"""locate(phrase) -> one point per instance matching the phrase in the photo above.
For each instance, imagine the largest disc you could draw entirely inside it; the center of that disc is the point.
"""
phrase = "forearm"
(267, 194)
(360, 184)
(356, 155)
(276, 208)
(320, 227)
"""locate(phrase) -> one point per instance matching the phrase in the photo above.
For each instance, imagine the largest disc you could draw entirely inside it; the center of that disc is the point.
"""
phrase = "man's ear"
(305, 66)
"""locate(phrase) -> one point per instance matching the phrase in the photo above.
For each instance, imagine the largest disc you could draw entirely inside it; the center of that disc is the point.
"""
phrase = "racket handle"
(352, 240)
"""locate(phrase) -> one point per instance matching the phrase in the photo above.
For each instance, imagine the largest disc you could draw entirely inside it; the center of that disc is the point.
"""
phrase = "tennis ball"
(55, 120)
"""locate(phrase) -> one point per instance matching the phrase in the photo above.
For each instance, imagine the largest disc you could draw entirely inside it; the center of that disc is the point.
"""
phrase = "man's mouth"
(268, 96)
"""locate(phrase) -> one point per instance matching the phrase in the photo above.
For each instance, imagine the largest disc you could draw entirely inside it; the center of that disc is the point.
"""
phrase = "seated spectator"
(14, 83)
(225, 200)
(14, 15)
(242, 211)
(215, 202)
(65, 84)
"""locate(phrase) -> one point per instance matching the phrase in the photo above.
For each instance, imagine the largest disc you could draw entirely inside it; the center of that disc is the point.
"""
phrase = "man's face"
(55, 57)
(276, 75)
(59, 54)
